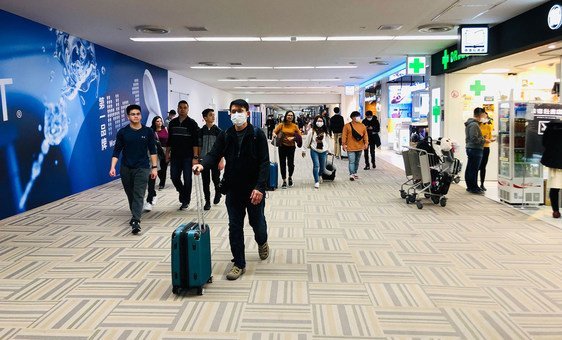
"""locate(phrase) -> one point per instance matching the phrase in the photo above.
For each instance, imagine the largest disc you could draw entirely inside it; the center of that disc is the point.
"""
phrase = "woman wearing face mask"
(287, 148)
(320, 144)
(354, 140)
(487, 127)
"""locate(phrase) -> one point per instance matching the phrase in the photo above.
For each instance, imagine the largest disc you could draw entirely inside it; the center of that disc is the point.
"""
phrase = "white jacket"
(310, 142)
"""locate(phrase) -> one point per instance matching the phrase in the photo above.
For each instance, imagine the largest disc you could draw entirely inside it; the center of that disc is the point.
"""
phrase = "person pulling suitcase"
(245, 150)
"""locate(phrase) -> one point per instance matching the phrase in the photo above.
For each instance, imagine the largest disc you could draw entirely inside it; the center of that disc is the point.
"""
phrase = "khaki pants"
(337, 144)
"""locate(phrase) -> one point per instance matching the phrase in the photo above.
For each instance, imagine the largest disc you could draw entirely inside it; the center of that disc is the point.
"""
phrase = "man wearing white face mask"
(354, 140)
(245, 150)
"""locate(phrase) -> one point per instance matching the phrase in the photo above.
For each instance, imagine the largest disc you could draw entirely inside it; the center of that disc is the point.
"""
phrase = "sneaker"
(351, 178)
(556, 214)
(367, 167)
(217, 198)
(147, 206)
(184, 206)
(135, 227)
(316, 185)
(131, 222)
(207, 206)
(154, 200)
(235, 273)
(263, 251)
(374, 166)
(355, 176)
(482, 187)
(290, 182)
(284, 186)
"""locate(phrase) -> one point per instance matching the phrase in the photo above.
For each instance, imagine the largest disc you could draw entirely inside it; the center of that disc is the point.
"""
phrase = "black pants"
(206, 176)
(151, 189)
(554, 194)
(134, 183)
(483, 163)
(163, 172)
(287, 159)
(370, 150)
(269, 133)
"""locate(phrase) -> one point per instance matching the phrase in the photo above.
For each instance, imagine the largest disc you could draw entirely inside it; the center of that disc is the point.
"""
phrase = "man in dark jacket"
(336, 127)
(373, 129)
(474, 150)
(245, 150)
(207, 137)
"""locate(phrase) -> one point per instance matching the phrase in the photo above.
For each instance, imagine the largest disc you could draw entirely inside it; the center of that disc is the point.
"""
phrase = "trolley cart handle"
(199, 197)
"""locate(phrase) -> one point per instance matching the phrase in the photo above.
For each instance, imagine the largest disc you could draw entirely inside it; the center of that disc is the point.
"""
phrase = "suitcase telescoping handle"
(199, 197)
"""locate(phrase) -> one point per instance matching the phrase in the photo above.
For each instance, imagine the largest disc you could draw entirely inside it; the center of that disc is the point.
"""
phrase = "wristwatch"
(195, 157)
(155, 167)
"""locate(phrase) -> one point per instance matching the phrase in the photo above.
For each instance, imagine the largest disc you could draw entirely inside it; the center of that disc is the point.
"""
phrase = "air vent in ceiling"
(378, 62)
(196, 28)
(235, 64)
(435, 28)
(231, 78)
(207, 63)
(390, 27)
(355, 77)
(152, 29)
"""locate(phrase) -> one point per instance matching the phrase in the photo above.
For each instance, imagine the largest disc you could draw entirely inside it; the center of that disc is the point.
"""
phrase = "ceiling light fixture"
(310, 38)
(152, 29)
(361, 38)
(275, 38)
(286, 80)
(339, 66)
(211, 67)
(252, 67)
(435, 28)
(291, 67)
(227, 39)
(426, 37)
(169, 39)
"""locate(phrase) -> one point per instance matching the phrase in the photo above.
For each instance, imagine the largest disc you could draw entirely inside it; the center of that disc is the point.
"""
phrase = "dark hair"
(336, 109)
(183, 102)
(206, 112)
(172, 112)
(153, 126)
(478, 111)
(285, 117)
(316, 128)
(132, 107)
(239, 102)
(354, 114)
(369, 113)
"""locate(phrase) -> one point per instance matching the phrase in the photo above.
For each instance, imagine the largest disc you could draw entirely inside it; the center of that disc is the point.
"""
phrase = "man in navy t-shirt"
(135, 141)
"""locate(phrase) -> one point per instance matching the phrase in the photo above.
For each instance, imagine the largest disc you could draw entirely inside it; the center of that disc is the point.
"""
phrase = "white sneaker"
(147, 206)
(316, 185)
(355, 176)
(154, 200)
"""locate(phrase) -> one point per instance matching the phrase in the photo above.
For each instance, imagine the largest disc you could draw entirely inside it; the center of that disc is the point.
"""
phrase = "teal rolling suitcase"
(191, 252)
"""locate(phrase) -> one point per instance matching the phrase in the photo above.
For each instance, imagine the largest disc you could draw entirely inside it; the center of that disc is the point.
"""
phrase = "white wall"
(198, 95)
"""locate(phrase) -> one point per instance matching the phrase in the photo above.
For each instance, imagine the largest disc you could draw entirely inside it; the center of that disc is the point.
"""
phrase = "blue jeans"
(177, 166)
(472, 166)
(237, 204)
(318, 164)
(353, 158)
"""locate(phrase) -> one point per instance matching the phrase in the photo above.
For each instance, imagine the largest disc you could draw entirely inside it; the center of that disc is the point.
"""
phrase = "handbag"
(276, 141)
(355, 134)
(298, 140)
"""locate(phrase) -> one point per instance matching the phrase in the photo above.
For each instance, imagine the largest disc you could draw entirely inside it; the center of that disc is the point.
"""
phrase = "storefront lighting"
(496, 70)
(384, 74)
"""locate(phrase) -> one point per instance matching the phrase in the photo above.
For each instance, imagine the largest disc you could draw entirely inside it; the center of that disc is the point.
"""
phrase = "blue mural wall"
(62, 101)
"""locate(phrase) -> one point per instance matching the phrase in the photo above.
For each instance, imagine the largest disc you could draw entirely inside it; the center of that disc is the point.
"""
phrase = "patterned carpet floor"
(350, 260)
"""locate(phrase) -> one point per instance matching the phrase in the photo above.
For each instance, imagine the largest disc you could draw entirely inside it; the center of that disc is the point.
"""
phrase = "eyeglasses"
(135, 114)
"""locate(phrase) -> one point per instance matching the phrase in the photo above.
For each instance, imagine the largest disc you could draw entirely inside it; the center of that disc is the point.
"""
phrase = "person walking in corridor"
(354, 141)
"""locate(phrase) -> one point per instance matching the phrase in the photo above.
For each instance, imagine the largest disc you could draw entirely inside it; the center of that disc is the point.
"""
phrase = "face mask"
(369, 118)
(319, 124)
(238, 118)
(358, 119)
(484, 120)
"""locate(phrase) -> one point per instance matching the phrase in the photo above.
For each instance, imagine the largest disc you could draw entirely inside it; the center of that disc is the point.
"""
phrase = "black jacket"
(336, 124)
(552, 142)
(247, 167)
(373, 128)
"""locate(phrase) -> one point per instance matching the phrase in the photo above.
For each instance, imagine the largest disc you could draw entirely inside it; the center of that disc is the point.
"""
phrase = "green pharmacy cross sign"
(477, 88)
(415, 65)
(451, 58)
(436, 111)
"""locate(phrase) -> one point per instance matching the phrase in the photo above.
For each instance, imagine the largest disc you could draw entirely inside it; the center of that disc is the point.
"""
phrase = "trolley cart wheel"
(443, 201)
(199, 290)
(457, 180)
(412, 198)
(427, 195)
(175, 290)
(435, 199)
(403, 194)
(419, 205)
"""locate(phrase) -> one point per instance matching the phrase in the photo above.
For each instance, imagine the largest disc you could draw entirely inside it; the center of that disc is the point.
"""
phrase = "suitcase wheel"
(175, 290)
(210, 280)
(199, 290)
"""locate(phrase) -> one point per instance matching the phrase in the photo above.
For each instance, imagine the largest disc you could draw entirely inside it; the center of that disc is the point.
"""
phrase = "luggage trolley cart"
(418, 172)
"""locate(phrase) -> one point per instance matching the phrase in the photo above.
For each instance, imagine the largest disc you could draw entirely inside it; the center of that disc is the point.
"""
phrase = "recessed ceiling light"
(427, 37)
(337, 66)
(292, 67)
(310, 38)
(390, 27)
(152, 29)
(226, 39)
(361, 38)
(211, 67)
(252, 67)
(275, 39)
(435, 28)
